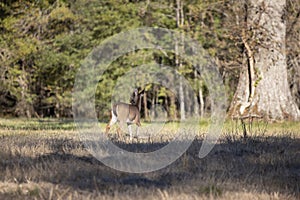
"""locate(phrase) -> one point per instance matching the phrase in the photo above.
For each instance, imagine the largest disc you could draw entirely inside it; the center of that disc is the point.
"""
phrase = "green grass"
(36, 124)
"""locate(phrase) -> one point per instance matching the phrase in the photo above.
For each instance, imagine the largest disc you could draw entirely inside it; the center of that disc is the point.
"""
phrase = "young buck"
(124, 113)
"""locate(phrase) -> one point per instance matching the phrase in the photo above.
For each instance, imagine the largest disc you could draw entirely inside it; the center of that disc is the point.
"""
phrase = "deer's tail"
(114, 109)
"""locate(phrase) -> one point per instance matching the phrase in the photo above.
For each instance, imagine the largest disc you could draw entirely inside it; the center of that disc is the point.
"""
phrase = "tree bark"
(293, 48)
(263, 87)
(153, 106)
(196, 102)
(178, 61)
(24, 108)
(201, 100)
(145, 107)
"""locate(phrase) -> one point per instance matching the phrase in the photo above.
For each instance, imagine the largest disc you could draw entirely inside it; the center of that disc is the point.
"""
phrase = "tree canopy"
(43, 42)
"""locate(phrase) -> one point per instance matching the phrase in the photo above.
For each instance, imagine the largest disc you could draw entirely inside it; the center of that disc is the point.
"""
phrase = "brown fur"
(126, 113)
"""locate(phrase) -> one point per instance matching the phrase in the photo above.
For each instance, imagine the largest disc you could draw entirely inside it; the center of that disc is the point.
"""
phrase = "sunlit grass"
(43, 155)
(67, 126)
(36, 124)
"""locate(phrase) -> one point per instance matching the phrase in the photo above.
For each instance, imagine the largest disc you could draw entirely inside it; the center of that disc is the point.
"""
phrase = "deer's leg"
(121, 128)
(138, 124)
(130, 131)
(112, 121)
(119, 131)
(107, 128)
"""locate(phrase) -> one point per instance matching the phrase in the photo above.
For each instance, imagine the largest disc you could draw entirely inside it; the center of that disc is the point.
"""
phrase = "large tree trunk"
(293, 48)
(263, 87)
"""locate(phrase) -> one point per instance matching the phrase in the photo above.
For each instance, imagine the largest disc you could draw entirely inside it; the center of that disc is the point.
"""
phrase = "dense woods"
(255, 44)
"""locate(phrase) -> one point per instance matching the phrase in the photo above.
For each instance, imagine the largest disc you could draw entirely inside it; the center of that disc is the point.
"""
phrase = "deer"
(124, 113)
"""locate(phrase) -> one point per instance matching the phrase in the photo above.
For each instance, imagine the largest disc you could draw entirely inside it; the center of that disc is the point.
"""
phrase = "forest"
(212, 86)
(255, 46)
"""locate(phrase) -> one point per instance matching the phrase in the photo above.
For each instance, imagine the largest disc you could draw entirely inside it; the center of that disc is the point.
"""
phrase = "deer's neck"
(138, 102)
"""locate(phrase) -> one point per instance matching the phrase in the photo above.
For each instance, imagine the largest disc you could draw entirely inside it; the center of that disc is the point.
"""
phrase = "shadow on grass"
(268, 164)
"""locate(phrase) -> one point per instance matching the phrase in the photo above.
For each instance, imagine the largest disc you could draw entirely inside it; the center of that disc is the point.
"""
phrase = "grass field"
(45, 159)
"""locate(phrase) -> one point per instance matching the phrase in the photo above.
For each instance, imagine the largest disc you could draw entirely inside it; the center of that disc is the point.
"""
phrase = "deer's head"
(135, 97)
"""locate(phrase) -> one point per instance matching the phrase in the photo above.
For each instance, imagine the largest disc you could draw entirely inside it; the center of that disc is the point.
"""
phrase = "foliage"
(42, 44)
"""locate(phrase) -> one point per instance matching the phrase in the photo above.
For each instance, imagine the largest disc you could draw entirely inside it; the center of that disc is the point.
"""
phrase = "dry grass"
(46, 160)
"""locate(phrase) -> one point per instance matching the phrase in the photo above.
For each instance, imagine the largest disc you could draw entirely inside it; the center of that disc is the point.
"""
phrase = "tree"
(293, 47)
(43, 42)
(178, 61)
(263, 88)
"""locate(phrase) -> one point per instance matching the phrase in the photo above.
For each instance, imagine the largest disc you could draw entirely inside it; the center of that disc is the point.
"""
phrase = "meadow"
(45, 159)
